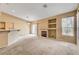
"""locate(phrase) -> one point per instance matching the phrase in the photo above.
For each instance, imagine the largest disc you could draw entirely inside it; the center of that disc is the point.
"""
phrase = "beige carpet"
(40, 46)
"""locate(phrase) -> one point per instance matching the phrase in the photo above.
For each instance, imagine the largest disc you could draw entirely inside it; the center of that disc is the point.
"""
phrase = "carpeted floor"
(40, 46)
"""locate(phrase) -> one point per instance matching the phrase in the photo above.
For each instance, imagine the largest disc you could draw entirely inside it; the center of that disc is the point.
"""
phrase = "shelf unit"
(6, 25)
(2, 25)
(52, 28)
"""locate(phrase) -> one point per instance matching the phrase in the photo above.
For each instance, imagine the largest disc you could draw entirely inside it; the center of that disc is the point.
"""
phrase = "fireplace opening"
(44, 33)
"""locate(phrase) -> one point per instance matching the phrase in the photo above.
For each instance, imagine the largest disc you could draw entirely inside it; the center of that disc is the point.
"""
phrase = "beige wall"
(3, 39)
(43, 25)
(78, 26)
(71, 39)
(20, 24)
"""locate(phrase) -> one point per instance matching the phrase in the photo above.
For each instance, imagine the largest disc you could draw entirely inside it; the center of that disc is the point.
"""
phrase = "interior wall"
(78, 27)
(43, 25)
(20, 24)
(61, 37)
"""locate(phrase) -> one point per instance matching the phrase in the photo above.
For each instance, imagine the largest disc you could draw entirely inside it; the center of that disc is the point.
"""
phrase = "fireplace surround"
(44, 33)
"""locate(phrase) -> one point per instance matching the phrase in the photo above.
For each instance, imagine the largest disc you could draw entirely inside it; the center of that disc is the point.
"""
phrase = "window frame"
(72, 26)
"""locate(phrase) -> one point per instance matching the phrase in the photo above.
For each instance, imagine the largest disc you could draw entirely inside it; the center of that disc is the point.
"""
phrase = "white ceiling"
(36, 11)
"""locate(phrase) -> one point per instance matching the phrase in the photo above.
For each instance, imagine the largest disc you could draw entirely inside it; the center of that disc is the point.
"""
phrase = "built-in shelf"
(7, 26)
(52, 28)
(3, 30)
(52, 23)
(14, 30)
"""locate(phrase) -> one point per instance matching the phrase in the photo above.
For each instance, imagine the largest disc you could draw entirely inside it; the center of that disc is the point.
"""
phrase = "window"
(68, 26)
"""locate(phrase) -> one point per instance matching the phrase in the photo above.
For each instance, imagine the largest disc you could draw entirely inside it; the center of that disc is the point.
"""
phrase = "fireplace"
(44, 33)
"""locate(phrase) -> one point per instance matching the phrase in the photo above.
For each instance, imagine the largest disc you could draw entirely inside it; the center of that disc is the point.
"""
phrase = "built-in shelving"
(7, 26)
(52, 23)
(52, 28)
(2, 25)
(51, 33)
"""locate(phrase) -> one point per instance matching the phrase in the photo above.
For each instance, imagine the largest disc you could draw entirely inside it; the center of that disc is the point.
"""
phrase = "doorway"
(34, 29)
